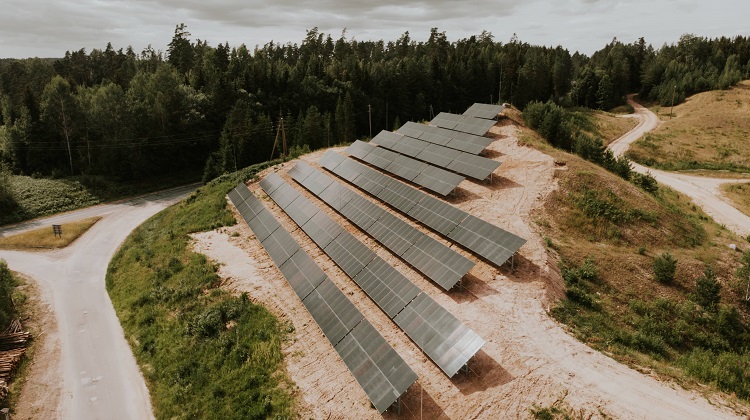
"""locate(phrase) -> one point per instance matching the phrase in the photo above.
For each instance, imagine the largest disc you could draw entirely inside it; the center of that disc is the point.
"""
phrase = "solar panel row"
(485, 239)
(464, 163)
(441, 264)
(380, 371)
(440, 335)
(465, 124)
(406, 167)
(462, 142)
(485, 111)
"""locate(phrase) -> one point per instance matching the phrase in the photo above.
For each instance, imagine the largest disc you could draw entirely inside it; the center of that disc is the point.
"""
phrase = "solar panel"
(301, 210)
(282, 194)
(386, 139)
(438, 155)
(380, 157)
(372, 184)
(438, 215)
(487, 240)
(394, 233)
(476, 167)
(331, 160)
(441, 264)
(443, 137)
(406, 168)
(300, 171)
(465, 146)
(400, 196)
(409, 146)
(472, 127)
(438, 180)
(349, 169)
(333, 312)
(349, 253)
(263, 224)
(379, 370)
(337, 196)
(446, 120)
(484, 111)
(322, 229)
(359, 149)
(317, 182)
(448, 342)
(301, 272)
(388, 288)
(361, 212)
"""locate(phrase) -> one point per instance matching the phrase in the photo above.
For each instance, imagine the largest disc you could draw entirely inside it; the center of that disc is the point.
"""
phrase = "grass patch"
(710, 131)
(739, 194)
(36, 197)
(203, 351)
(43, 238)
(607, 126)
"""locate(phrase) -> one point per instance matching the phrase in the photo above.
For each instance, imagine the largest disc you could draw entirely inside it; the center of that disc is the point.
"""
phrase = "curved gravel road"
(705, 192)
(101, 379)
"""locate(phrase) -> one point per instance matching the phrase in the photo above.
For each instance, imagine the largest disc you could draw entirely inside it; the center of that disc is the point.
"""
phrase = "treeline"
(131, 116)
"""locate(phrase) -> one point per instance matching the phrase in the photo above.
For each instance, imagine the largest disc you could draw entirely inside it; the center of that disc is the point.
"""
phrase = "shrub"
(551, 121)
(707, 290)
(7, 283)
(645, 182)
(664, 268)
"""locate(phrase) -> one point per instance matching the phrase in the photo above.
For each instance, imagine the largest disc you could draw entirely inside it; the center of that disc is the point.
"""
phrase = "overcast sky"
(48, 28)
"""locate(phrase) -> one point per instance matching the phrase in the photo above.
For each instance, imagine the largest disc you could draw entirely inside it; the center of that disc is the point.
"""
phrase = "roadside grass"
(43, 238)
(36, 197)
(204, 352)
(710, 131)
(739, 194)
(607, 233)
(604, 125)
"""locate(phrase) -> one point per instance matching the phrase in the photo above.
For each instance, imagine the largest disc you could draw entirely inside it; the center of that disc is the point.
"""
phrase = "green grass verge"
(204, 352)
(37, 197)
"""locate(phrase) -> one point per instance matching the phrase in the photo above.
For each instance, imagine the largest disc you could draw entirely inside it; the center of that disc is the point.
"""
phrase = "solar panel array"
(465, 124)
(380, 371)
(464, 142)
(439, 263)
(443, 338)
(430, 177)
(468, 164)
(487, 240)
(485, 111)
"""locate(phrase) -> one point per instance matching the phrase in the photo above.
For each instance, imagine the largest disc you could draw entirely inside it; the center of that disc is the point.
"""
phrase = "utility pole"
(674, 88)
(369, 115)
(432, 114)
(280, 130)
(283, 139)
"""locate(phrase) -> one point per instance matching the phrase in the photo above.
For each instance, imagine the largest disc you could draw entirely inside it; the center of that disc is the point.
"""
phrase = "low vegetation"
(8, 282)
(44, 238)
(710, 131)
(201, 349)
(740, 196)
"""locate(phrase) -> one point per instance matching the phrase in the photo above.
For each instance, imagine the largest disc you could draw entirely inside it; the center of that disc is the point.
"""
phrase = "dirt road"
(99, 377)
(705, 192)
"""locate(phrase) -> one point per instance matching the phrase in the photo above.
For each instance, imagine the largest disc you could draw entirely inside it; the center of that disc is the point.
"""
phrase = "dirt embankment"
(529, 360)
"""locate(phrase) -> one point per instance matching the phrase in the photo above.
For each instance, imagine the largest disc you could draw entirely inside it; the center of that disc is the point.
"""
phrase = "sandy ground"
(529, 360)
(705, 191)
(91, 372)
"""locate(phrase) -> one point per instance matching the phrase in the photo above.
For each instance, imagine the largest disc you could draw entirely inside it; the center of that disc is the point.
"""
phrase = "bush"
(7, 283)
(707, 290)
(645, 182)
(7, 198)
(664, 268)
(551, 121)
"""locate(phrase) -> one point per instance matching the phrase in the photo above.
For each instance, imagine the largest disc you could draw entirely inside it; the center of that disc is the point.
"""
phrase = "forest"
(132, 116)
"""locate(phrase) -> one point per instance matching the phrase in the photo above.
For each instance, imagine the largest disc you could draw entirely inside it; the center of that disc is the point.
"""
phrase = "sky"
(49, 28)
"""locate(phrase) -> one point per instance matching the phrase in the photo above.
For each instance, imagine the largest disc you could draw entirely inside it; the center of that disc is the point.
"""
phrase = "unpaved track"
(705, 192)
(100, 377)
(529, 359)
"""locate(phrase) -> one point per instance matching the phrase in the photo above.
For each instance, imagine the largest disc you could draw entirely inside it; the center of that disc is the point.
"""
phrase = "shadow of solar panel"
(476, 167)
(361, 212)
(409, 146)
(271, 182)
(331, 160)
(438, 155)
(438, 262)
(301, 272)
(322, 229)
(486, 239)
(438, 215)
(300, 171)
(438, 180)
(448, 342)
(333, 312)
(349, 253)
(388, 288)
(280, 246)
(400, 196)
(284, 194)
(394, 233)
(263, 224)
(406, 168)
(317, 182)
(387, 139)
(301, 210)
(379, 370)
(485, 111)
(359, 149)
(337, 196)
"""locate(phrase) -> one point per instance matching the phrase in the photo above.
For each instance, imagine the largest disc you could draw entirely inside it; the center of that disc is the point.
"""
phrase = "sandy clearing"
(528, 360)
